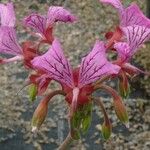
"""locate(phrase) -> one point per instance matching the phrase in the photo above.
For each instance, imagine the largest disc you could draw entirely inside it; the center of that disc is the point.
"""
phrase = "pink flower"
(7, 15)
(134, 30)
(76, 83)
(43, 24)
(131, 16)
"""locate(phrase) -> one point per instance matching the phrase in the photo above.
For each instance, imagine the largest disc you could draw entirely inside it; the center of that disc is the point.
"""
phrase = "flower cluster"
(77, 84)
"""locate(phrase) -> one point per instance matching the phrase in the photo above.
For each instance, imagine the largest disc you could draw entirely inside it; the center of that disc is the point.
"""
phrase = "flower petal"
(115, 3)
(8, 41)
(134, 16)
(95, 65)
(136, 36)
(36, 22)
(55, 64)
(123, 50)
(7, 15)
(56, 13)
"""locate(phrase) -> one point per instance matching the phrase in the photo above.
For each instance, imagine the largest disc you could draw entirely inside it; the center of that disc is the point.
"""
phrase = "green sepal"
(87, 118)
(32, 92)
(81, 121)
(75, 123)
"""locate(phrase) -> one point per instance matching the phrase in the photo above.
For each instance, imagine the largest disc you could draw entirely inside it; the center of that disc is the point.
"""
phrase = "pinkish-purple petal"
(54, 63)
(136, 36)
(115, 3)
(56, 13)
(95, 65)
(7, 15)
(123, 50)
(36, 22)
(132, 15)
(8, 41)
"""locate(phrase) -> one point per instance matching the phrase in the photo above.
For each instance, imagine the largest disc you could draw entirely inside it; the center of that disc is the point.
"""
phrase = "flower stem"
(53, 93)
(100, 104)
(66, 142)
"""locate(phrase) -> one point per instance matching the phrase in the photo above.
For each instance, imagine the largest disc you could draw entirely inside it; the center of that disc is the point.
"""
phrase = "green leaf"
(32, 92)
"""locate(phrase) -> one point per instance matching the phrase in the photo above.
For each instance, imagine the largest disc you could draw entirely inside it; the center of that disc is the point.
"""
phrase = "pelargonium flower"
(8, 38)
(77, 84)
(93, 67)
(129, 16)
(10, 45)
(43, 24)
(133, 31)
(7, 15)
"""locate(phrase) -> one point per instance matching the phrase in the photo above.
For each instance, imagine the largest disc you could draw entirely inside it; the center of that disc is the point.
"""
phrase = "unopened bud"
(121, 110)
(124, 87)
(106, 130)
(39, 115)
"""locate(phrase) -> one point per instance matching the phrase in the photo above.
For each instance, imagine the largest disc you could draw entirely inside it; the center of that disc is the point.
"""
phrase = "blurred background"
(77, 39)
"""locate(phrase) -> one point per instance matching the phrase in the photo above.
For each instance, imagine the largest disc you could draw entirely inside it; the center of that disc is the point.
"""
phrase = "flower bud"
(106, 130)
(121, 111)
(124, 87)
(118, 105)
(39, 115)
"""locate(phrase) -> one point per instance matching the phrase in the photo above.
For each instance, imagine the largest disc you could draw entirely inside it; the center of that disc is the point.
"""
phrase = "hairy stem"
(100, 104)
(66, 142)
(108, 89)
(52, 94)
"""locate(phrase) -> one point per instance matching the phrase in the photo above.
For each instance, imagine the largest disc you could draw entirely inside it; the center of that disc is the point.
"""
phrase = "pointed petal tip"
(34, 129)
(127, 125)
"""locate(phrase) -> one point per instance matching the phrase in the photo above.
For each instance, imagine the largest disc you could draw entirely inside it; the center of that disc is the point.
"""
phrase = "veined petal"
(123, 50)
(136, 36)
(132, 15)
(56, 13)
(95, 65)
(8, 41)
(54, 63)
(7, 15)
(115, 3)
(36, 22)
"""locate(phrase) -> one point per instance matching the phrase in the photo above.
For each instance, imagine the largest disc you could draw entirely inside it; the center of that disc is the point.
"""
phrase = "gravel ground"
(77, 39)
